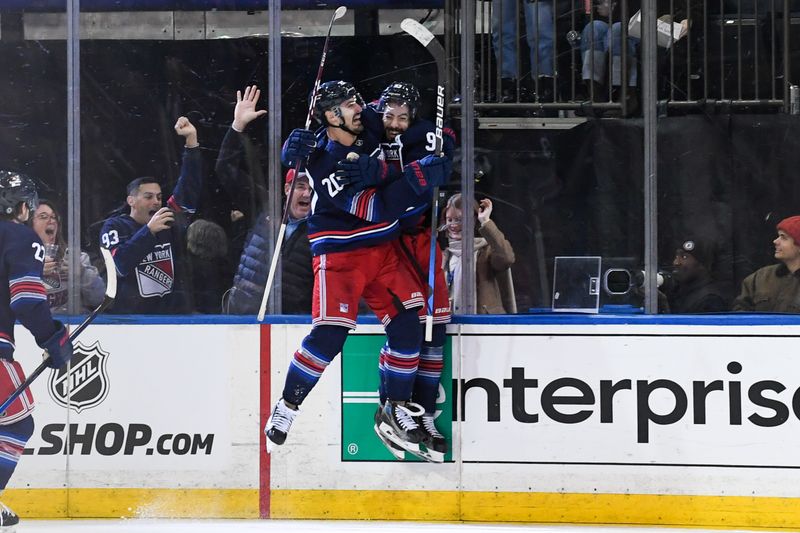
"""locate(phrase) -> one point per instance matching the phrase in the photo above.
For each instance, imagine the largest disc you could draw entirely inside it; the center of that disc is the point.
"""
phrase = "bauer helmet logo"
(86, 384)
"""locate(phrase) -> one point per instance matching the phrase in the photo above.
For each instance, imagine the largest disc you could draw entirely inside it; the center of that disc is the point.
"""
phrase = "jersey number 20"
(333, 185)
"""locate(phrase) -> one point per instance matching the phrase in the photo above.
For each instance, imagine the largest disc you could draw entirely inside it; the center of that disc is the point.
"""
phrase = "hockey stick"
(339, 13)
(108, 299)
(434, 48)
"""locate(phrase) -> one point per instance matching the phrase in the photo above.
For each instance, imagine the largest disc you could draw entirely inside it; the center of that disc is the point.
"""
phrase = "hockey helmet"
(16, 188)
(400, 91)
(332, 93)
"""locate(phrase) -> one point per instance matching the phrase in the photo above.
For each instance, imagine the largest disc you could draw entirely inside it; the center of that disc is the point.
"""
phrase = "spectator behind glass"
(505, 42)
(696, 290)
(208, 246)
(238, 177)
(148, 242)
(46, 222)
(493, 259)
(776, 288)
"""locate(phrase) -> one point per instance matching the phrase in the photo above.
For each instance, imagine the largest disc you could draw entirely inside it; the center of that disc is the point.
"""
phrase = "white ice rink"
(315, 526)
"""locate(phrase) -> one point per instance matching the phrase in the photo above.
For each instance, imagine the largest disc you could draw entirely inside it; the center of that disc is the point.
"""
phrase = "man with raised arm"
(247, 188)
(148, 242)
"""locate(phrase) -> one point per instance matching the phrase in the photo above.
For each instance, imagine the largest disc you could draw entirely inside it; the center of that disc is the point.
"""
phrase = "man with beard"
(697, 291)
(148, 243)
(406, 138)
(353, 240)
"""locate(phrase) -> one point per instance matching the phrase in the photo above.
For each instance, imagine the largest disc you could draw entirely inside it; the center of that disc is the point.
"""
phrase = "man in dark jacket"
(239, 182)
(148, 243)
(697, 291)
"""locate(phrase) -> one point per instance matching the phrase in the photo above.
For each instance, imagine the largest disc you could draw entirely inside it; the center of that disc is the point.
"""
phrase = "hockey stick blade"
(108, 299)
(339, 13)
(417, 31)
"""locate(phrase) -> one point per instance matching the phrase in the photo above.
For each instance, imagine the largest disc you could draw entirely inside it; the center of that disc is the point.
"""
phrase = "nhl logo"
(86, 384)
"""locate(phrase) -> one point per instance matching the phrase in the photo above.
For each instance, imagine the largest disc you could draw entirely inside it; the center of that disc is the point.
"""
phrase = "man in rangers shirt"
(405, 138)
(353, 240)
(22, 297)
(148, 243)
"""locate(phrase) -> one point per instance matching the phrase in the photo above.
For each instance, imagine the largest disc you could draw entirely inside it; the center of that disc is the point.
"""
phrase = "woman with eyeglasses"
(494, 256)
(46, 223)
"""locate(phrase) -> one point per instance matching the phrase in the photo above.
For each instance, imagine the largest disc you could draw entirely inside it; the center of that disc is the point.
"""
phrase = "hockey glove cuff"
(58, 347)
(429, 172)
(298, 146)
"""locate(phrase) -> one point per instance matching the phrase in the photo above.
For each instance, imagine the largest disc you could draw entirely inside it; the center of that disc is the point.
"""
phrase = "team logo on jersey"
(86, 384)
(56, 291)
(390, 151)
(156, 274)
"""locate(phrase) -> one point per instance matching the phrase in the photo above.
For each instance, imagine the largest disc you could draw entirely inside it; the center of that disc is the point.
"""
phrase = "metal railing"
(713, 55)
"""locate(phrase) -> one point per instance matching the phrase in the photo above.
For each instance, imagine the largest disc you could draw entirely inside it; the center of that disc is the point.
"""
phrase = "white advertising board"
(650, 409)
(149, 406)
(606, 399)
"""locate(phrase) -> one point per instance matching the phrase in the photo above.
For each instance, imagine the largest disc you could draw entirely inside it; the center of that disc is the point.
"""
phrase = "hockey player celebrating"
(406, 138)
(352, 234)
(23, 298)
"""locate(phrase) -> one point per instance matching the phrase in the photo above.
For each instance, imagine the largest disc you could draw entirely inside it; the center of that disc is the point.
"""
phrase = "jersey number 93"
(110, 238)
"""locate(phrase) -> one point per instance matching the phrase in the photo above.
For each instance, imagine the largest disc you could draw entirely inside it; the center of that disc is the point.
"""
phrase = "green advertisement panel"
(360, 400)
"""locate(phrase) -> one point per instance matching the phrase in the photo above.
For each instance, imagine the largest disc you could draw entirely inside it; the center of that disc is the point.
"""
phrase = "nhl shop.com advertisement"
(143, 398)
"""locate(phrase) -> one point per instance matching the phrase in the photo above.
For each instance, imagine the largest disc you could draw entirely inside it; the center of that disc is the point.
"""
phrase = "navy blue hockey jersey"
(22, 293)
(343, 218)
(418, 141)
(150, 267)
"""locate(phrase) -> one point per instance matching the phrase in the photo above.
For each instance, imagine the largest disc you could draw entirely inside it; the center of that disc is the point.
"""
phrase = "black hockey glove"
(362, 172)
(298, 146)
(58, 347)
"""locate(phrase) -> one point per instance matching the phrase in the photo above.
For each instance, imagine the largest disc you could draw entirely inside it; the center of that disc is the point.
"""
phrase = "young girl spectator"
(493, 259)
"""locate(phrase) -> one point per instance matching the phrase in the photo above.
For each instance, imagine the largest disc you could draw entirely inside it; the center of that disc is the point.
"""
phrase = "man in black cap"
(696, 291)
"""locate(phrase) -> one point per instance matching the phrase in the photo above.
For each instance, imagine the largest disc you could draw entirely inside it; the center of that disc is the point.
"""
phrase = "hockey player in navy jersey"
(406, 138)
(22, 297)
(148, 242)
(353, 240)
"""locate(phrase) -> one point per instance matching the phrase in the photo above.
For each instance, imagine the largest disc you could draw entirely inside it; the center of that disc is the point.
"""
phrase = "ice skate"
(8, 519)
(434, 442)
(393, 448)
(397, 424)
(278, 425)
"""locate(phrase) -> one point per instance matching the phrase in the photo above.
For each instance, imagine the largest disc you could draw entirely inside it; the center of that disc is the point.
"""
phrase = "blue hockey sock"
(431, 362)
(315, 354)
(13, 438)
(382, 376)
(400, 355)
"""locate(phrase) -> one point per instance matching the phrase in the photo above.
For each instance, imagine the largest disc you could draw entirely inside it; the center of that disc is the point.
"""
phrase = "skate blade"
(386, 431)
(432, 456)
(270, 447)
(395, 450)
